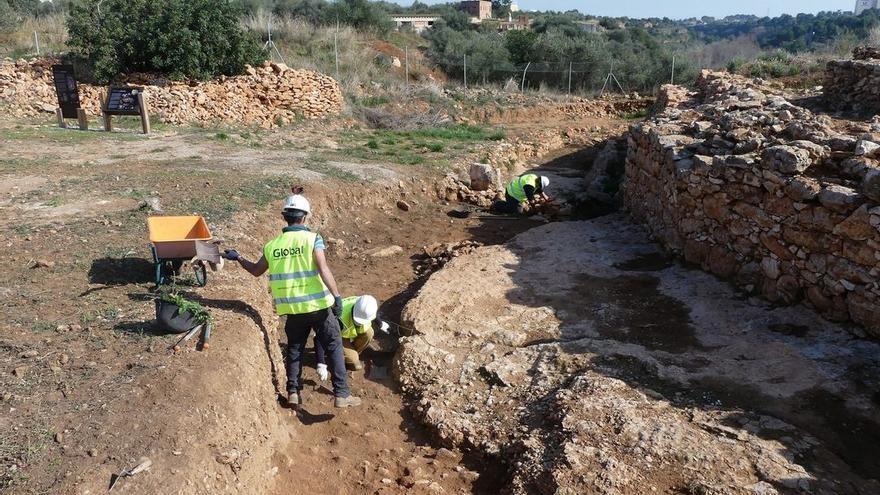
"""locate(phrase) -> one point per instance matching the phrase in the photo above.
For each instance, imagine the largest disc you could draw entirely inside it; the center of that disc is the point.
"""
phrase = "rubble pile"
(437, 255)
(854, 84)
(513, 106)
(266, 96)
(749, 186)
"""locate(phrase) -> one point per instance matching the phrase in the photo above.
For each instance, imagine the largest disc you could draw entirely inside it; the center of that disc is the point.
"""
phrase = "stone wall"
(753, 188)
(266, 96)
(854, 85)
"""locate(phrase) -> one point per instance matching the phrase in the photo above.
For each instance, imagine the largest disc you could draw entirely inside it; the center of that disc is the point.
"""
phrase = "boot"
(350, 401)
(355, 366)
(294, 400)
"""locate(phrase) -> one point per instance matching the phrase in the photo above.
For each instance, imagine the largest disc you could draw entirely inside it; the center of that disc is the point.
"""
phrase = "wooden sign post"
(126, 100)
(68, 97)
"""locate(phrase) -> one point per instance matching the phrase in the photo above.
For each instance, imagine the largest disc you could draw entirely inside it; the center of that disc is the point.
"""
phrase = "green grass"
(322, 167)
(372, 144)
(221, 136)
(459, 132)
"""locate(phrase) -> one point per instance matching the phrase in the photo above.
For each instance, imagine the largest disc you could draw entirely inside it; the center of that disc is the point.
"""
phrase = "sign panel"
(66, 89)
(123, 100)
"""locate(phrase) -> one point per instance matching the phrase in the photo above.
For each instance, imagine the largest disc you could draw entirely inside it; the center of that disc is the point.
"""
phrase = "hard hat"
(365, 309)
(297, 202)
(544, 181)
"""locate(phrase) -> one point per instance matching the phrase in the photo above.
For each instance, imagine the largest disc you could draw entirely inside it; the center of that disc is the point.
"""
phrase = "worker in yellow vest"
(304, 291)
(520, 192)
(357, 318)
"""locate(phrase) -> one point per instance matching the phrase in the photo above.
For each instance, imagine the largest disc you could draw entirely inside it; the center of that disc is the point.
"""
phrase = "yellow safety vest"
(350, 329)
(516, 188)
(297, 287)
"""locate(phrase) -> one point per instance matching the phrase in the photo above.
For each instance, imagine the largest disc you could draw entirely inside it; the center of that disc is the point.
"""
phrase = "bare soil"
(88, 385)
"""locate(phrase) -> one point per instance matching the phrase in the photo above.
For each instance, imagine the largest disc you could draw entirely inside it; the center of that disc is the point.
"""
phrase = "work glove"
(323, 374)
(383, 326)
(337, 306)
(231, 254)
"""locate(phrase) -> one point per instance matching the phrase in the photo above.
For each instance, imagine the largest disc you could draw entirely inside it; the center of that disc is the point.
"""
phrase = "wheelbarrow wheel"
(201, 273)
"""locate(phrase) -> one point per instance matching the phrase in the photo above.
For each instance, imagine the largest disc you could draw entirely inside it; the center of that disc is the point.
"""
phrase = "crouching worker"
(305, 292)
(358, 315)
(521, 191)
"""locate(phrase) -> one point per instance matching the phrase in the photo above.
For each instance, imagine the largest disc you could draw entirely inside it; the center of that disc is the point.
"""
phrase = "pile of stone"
(767, 193)
(854, 85)
(265, 96)
(436, 256)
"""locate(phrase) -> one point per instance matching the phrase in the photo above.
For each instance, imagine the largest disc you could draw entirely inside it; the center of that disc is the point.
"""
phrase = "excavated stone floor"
(584, 360)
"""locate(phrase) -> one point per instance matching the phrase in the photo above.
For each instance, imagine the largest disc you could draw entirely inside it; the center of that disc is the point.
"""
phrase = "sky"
(680, 9)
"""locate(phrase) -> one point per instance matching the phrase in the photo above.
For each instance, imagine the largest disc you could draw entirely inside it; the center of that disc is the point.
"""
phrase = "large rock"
(871, 185)
(484, 177)
(786, 159)
(840, 198)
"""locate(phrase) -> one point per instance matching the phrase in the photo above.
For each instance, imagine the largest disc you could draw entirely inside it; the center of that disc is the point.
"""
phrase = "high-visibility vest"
(297, 287)
(350, 329)
(516, 188)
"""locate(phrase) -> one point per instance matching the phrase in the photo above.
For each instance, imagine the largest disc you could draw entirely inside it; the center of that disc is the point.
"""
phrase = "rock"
(385, 252)
(802, 188)
(33, 264)
(866, 148)
(857, 226)
(484, 177)
(93, 453)
(229, 457)
(403, 205)
(59, 437)
(19, 371)
(871, 185)
(839, 198)
(151, 204)
(786, 159)
(29, 354)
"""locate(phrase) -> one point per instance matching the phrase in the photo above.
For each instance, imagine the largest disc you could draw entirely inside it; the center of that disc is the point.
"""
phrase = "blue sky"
(678, 9)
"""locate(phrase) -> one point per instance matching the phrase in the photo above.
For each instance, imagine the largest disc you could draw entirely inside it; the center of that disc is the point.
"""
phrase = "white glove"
(384, 327)
(323, 374)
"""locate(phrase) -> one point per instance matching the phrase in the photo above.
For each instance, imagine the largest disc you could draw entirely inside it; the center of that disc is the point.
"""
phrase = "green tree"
(519, 44)
(180, 38)
(361, 14)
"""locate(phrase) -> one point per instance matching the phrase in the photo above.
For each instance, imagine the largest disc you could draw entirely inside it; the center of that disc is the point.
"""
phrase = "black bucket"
(169, 316)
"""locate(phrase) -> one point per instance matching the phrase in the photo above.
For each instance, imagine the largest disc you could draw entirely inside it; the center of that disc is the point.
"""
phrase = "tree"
(360, 14)
(180, 38)
(457, 20)
(519, 44)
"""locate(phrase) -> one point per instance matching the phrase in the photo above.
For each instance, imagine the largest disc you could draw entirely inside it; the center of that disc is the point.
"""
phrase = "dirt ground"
(89, 387)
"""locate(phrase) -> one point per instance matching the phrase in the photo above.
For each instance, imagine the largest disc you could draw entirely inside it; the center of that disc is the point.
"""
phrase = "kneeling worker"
(521, 191)
(358, 314)
(305, 291)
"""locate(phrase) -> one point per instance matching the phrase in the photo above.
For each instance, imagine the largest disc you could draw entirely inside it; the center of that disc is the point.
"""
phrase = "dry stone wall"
(854, 84)
(749, 186)
(266, 96)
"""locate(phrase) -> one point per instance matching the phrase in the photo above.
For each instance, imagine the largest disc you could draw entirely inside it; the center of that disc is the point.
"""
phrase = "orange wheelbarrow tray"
(173, 242)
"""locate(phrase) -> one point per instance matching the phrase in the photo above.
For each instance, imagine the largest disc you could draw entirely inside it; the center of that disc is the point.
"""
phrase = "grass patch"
(456, 133)
(221, 136)
(323, 167)
(641, 114)
(372, 144)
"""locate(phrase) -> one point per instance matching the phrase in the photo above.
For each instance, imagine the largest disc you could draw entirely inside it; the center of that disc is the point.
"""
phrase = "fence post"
(672, 80)
(336, 52)
(522, 87)
(37, 42)
(406, 64)
(569, 78)
(465, 71)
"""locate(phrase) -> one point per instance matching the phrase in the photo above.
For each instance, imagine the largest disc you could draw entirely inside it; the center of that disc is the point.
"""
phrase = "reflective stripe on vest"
(350, 329)
(516, 188)
(297, 287)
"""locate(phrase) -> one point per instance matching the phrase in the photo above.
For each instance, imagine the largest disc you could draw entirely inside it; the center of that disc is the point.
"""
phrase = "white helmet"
(297, 202)
(544, 181)
(365, 309)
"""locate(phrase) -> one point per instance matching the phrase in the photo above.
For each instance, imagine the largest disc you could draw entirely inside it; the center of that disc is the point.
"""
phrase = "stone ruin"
(266, 96)
(854, 85)
(784, 202)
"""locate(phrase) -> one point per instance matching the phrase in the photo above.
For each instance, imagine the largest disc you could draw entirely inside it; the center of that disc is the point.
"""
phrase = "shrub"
(179, 38)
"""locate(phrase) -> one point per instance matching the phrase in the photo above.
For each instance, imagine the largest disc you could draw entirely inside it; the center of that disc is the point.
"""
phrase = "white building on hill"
(863, 5)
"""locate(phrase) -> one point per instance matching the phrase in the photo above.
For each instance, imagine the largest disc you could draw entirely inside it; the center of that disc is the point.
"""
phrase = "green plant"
(180, 38)
(435, 147)
(187, 306)
(372, 144)
(221, 136)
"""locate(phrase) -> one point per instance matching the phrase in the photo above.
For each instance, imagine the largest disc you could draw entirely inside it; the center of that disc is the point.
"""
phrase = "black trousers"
(326, 327)
(510, 205)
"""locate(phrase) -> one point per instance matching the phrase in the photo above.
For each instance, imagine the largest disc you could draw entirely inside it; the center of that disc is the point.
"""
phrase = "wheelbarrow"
(177, 240)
